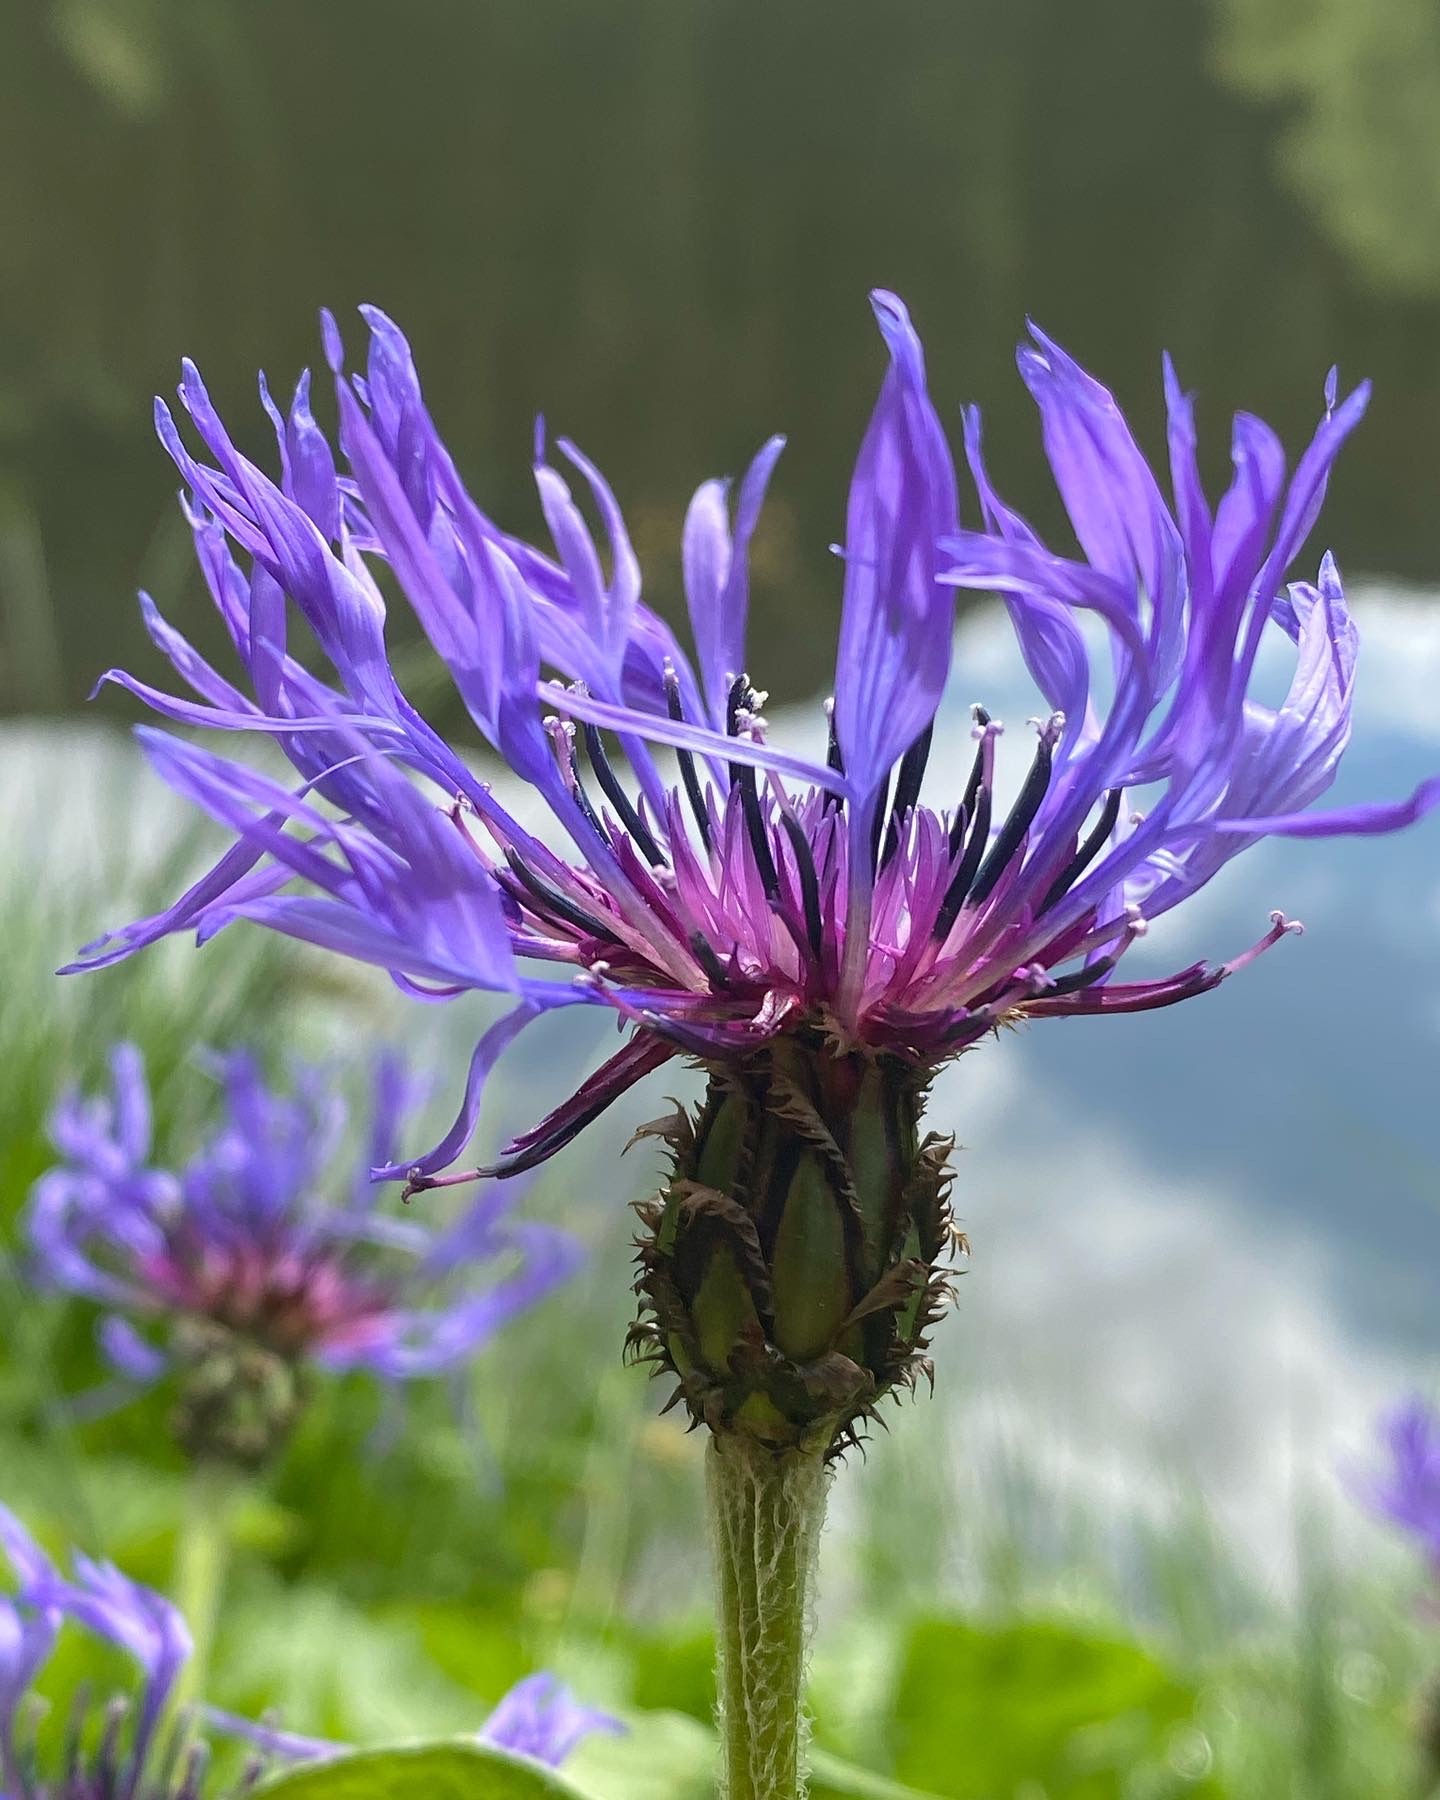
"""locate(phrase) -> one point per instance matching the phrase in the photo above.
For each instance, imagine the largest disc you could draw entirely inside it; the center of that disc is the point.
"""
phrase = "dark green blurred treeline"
(656, 220)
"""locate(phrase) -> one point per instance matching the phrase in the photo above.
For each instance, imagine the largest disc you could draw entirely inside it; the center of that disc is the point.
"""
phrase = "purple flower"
(125, 1761)
(1407, 1490)
(729, 894)
(243, 1246)
(134, 1758)
(542, 1719)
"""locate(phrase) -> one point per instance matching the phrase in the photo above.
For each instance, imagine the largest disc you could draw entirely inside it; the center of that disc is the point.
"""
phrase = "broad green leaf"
(445, 1771)
(981, 1711)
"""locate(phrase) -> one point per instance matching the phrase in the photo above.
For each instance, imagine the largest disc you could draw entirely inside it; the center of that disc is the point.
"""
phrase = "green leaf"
(462, 1770)
(981, 1711)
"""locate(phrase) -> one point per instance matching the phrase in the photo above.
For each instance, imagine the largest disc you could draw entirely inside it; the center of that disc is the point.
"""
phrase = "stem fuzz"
(765, 1517)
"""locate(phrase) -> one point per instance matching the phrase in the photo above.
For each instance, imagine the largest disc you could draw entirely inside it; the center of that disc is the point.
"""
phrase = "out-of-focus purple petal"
(128, 1353)
(291, 1746)
(541, 1718)
(1406, 1490)
(33, 1568)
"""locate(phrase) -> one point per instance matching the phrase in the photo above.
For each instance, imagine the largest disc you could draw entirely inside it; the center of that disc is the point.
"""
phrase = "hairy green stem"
(202, 1555)
(765, 1517)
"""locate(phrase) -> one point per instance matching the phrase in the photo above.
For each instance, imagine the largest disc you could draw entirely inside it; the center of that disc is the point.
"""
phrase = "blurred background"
(1207, 1242)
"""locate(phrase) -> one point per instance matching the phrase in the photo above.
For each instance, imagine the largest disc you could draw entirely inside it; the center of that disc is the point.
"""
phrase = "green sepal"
(789, 1271)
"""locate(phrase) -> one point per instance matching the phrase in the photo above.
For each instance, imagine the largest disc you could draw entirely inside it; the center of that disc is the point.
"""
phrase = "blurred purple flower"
(243, 1236)
(541, 1718)
(134, 1759)
(753, 892)
(1406, 1490)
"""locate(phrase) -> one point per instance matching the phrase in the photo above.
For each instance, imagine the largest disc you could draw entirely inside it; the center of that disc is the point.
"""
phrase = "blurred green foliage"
(1355, 89)
(657, 222)
(1090, 1718)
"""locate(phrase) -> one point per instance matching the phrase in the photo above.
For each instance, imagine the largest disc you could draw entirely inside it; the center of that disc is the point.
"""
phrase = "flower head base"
(790, 1270)
(133, 1751)
(252, 1278)
(745, 900)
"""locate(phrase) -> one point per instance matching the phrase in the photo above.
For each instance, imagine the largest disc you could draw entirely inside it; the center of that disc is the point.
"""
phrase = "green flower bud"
(237, 1401)
(788, 1271)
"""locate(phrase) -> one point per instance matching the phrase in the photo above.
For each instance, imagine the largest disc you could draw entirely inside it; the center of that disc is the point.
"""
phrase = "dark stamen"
(1087, 852)
(907, 788)
(704, 953)
(107, 1758)
(620, 800)
(979, 817)
(737, 697)
(552, 899)
(582, 799)
(755, 829)
(686, 761)
(74, 1740)
(742, 775)
(809, 883)
(972, 787)
(1082, 978)
(1017, 822)
(197, 1759)
(834, 759)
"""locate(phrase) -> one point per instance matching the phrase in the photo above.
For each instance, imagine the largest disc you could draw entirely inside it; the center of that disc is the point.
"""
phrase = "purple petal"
(541, 1718)
(1365, 819)
(717, 575)
(894, 649)
(482, 1060)
(129, 1354)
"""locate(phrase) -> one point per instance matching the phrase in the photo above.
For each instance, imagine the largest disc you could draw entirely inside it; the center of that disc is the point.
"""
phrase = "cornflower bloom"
(236, 1273)
(135, 1750)
(818, 936)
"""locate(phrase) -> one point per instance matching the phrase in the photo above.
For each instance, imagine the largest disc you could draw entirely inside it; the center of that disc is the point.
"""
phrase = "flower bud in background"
(133, 1746)
(269, 1256)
